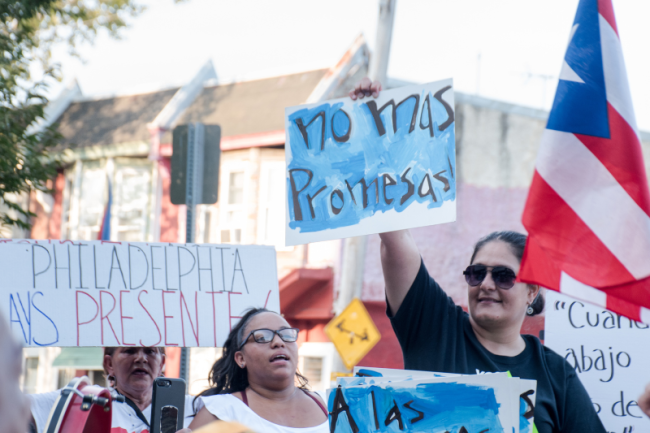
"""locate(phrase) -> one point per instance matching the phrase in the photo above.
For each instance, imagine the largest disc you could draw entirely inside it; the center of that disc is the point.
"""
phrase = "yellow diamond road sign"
(353, 333)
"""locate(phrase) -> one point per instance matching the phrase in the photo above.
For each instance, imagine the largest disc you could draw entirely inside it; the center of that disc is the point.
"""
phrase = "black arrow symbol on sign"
(353, 334)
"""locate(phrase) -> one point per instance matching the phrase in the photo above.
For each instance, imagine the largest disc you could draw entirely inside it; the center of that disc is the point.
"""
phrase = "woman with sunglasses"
(254, 382)
(437, 335)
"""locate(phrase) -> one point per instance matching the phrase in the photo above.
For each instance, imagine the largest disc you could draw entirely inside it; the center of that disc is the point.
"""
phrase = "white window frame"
(264, 204)
(225, 208)
(73, 224)
(325, 351)
(70, 228)
(147, 229)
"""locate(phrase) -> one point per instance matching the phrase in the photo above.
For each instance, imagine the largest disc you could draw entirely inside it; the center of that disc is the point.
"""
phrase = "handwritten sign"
(610, 354)
(353, 333)
(525, 392)
(65, 293)
(471, 404)
(373, 165)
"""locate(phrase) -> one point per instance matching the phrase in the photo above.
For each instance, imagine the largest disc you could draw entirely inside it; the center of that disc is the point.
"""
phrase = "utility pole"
(354, 249)
(379, 59)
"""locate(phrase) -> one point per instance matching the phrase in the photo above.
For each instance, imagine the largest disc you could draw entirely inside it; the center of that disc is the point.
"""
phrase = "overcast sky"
(520, 44)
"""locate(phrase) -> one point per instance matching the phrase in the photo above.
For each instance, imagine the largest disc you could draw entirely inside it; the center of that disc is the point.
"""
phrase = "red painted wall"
(168, 211)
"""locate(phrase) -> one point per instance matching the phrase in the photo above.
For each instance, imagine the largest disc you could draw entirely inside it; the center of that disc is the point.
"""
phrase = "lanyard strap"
(133, 406)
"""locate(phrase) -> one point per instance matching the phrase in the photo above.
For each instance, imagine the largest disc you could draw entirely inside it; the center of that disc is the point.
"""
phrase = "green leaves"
(29, 29)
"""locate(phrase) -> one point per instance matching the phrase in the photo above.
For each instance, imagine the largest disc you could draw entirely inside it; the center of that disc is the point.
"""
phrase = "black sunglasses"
(264, 336)
(503, 277)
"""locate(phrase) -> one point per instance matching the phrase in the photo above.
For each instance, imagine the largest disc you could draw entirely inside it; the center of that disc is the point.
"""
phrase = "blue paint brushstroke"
(367, 155)
(445, 407)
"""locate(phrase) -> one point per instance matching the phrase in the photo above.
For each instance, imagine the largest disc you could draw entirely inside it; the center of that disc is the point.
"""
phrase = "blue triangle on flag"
(581, 107)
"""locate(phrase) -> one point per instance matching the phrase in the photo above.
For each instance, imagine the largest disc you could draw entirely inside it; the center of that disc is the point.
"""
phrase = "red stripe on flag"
(606, 9)
(623, 158)
(568, 241)
(624, 308)
(637, 292)
(537, 268)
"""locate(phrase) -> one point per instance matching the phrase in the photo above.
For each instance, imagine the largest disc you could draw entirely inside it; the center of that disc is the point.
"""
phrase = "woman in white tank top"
(254, 382)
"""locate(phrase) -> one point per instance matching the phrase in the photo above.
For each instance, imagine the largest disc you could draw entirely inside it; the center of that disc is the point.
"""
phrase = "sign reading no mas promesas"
(78, 293)
(373, 165)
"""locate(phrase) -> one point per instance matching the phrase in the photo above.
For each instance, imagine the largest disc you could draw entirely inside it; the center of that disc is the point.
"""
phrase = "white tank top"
(227, 407)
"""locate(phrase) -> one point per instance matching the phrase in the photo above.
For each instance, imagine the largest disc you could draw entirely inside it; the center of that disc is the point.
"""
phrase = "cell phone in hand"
(167, 405)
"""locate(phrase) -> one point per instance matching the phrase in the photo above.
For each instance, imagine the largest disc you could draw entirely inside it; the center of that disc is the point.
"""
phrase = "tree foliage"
(29, 30)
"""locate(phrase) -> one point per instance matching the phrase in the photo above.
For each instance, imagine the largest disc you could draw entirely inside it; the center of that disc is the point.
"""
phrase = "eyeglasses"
(503, 277)
(263, 336)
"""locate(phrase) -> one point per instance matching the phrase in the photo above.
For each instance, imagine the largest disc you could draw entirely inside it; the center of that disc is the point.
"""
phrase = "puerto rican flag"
(588, 209)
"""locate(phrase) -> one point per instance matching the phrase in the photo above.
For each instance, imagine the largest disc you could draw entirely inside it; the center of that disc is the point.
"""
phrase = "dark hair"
(517, 243)
(226, 377)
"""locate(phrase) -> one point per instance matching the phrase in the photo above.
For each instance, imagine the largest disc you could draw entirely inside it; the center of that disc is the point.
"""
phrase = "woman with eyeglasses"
(437, 335)
(254, 382)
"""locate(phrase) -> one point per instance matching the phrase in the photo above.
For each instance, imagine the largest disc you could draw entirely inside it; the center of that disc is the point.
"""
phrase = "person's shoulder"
(552, 359)
(319, 395)
(219, 398)
(225, 407)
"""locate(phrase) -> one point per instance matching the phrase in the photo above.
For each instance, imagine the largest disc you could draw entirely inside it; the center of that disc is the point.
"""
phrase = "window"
(316, 362)
(132, 193)
(312, 369)
(66, 223)
(97, 377)
(206, 223)
(31, 375)
(272, 214)
(236, 188)
(86, 196)
(87, 201)
(233, 217)
(65, 376)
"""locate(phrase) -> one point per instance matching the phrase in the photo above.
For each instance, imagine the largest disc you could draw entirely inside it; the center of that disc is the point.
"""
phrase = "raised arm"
(400, 260)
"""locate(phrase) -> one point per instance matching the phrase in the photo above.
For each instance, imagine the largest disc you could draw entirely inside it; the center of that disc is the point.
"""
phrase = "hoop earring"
(111, 378)
(530, 310)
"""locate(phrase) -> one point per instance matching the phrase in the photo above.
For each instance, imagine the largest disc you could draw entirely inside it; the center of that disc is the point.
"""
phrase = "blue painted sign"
(373, 165)
(418, 406)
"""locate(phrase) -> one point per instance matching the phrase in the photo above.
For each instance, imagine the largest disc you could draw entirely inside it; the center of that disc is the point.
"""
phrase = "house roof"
(102, 122)
(250, 107)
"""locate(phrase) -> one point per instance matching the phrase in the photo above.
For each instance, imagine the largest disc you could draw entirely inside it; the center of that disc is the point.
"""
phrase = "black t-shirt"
(436, 335)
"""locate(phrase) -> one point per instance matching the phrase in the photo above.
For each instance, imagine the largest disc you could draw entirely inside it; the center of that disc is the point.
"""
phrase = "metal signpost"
(195, 180)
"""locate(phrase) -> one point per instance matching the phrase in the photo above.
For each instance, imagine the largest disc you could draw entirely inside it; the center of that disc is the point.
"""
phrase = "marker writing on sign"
(583, 361)
(100, 317)
(330, 184)
(113, 267)
(30, 326)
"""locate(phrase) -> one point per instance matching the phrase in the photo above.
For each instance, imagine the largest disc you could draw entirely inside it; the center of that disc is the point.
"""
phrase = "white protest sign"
(371, 165)
(610, 353)
(97, 293)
